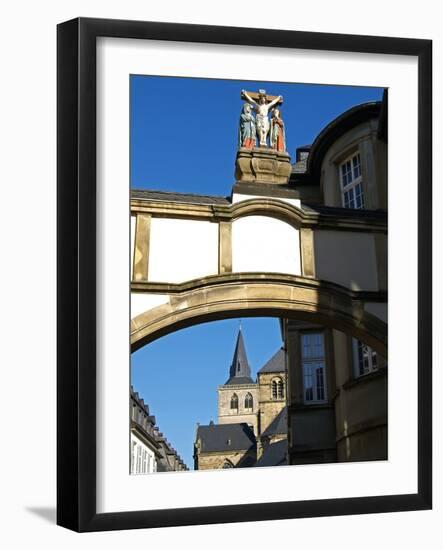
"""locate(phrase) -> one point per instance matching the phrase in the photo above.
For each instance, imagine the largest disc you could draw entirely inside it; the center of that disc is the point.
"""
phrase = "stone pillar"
(262, 165)
(225, 247)
(141, 247)
(307, 252)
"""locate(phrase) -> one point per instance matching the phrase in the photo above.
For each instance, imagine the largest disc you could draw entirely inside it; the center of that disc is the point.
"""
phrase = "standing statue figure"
(247, 136)
(277, 137)
(262, 109)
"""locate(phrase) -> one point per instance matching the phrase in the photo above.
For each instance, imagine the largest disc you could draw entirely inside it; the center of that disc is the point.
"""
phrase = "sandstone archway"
(254, 294)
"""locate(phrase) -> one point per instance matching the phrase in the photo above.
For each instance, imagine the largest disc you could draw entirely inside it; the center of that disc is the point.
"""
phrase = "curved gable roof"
(330, 133)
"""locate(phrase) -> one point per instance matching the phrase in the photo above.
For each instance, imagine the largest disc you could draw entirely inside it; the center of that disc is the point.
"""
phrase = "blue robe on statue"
(246, 129)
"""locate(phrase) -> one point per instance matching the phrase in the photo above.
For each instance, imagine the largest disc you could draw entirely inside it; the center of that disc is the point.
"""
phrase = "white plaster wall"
(261, 243)
(141, 302)
(133, 220)
(237, 197)
(346, 258)
(182, 250)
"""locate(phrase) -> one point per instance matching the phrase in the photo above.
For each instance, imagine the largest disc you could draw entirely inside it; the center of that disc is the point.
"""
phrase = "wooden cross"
(256, 96)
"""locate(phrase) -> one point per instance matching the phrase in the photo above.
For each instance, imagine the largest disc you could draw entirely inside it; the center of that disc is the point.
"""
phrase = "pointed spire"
(240, 372)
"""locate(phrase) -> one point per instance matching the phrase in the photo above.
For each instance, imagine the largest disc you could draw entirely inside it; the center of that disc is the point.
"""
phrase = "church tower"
(238, 397)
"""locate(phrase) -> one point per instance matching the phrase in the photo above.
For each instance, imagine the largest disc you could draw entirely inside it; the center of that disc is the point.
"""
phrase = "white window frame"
(145, 462)
(360, 369)
(138, 468)
(133, 456)
(354, 185)
(312, 363)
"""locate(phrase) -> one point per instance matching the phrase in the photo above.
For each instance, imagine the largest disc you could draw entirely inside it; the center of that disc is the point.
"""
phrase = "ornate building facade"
(338, 384)
(305, 242)
(150, 450)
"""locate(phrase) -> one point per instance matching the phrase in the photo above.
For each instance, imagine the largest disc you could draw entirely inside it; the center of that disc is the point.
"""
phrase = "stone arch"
(271, 208)
(266, 295)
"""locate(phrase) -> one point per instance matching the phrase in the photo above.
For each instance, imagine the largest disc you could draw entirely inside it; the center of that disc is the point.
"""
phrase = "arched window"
(248, 401)
(277, 388)
(234, 401)
(274, 389)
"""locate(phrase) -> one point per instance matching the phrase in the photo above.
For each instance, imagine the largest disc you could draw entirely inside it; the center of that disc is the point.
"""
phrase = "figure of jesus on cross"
(262, 107)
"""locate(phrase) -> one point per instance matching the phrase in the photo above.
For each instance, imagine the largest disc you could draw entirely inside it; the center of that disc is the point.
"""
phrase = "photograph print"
(258, 284)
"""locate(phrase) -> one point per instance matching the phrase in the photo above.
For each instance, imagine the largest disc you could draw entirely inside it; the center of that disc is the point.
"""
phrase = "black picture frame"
(76, 264)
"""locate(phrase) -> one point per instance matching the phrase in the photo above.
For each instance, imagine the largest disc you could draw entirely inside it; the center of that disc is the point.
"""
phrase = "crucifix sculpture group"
(251, 127)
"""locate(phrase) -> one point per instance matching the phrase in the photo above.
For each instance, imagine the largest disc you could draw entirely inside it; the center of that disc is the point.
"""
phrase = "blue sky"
(184, 130)
(184, 139)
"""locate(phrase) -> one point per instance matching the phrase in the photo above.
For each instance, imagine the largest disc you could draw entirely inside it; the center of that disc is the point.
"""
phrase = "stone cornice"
(359, 427)
(264, 294)
(381, 372)
(229, 452)
(250, 277)
(274, 208)
(238, 387)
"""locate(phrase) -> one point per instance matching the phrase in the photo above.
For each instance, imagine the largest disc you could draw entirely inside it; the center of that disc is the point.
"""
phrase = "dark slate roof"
(275, 364)
(279, 425)
(147, 194)
(345, 212)
(274, 454)
(240, 372)
(226, 437)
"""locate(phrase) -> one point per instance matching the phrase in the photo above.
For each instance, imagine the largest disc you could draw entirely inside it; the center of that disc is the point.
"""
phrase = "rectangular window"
(139, 460)
(133, 451)
(351, 183)
(365, 358)
(313, 365)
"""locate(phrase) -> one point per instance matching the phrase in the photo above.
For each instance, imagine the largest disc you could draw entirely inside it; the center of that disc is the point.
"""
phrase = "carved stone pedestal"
(262, 165)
